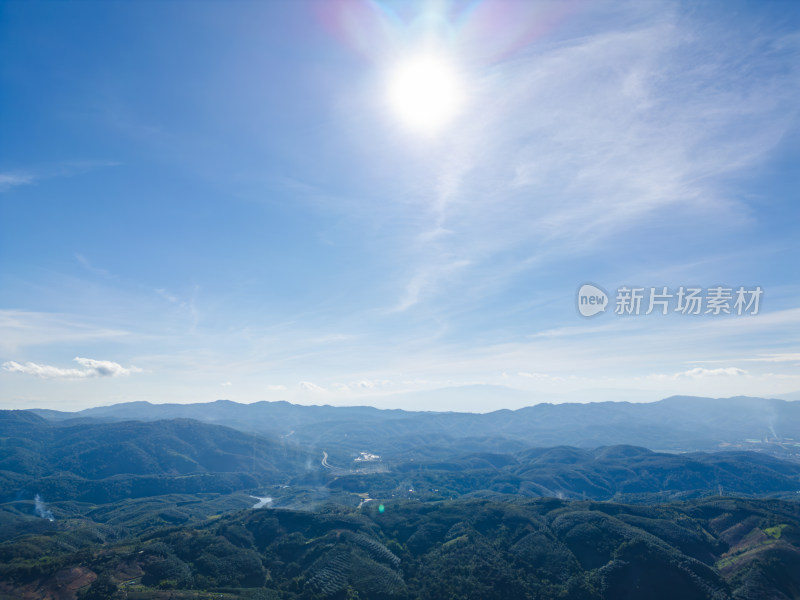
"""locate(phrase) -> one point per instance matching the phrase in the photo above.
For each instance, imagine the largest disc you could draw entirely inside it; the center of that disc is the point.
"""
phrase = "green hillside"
(717, 549)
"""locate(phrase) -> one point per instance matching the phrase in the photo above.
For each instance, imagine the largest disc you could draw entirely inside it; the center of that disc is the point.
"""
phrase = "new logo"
(591, 300)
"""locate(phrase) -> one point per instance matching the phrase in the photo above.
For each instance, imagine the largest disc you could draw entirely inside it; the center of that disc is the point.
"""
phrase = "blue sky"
(218, 200)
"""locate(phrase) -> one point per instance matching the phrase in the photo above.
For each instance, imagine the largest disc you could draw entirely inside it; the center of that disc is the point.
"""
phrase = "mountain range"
(684, 497)
(678, 423)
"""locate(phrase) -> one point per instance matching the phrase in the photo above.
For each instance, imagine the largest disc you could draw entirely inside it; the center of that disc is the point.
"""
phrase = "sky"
(249, 201)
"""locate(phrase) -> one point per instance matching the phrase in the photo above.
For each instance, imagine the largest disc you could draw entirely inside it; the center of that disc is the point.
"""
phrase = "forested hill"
(103, 462)
(142, 509)
(106, 462)
(717, 549)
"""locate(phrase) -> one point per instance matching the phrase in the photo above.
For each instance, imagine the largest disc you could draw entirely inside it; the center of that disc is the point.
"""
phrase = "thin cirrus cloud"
(91, 369)
(22, 329)
(775, 358)
(10, 180)
(603, 135)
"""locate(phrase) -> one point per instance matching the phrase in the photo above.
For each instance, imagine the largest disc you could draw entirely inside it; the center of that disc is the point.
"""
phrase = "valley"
(120, 500)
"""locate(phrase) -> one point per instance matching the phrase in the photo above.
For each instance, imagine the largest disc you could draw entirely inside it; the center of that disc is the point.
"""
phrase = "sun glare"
(424, 92)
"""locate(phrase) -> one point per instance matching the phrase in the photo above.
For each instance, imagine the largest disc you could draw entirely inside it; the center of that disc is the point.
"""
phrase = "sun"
(425, 94)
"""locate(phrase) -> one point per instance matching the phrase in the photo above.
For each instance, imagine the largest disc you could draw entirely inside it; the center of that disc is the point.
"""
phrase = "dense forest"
(107, 508)
(716, 548)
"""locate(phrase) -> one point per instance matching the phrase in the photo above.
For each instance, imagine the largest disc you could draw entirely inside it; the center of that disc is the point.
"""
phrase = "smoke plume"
(41, 509)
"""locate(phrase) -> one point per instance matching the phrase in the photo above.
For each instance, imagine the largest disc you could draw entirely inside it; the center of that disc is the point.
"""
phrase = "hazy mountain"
(479, 397)
(457, 520)
(677, 423)
(106, 462)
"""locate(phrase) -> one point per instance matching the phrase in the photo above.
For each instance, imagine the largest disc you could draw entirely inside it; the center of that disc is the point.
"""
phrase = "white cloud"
(91, 368)
(362, 384)
(310, 387)
(105, 368)
(700, 372)
(276, 388)
(540, 376)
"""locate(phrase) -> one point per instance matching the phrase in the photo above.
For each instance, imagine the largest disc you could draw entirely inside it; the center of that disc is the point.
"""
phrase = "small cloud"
(167, 296)
(86, 264)
(91, 368)
(226, 384)
(700, 373)
(539, 376)
(532, 375)
(276, 388)
(362, 384)
(310, 387)
(105, 368)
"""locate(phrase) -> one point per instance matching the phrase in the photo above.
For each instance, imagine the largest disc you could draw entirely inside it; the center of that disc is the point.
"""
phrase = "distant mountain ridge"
(678, 423)
(99, 461)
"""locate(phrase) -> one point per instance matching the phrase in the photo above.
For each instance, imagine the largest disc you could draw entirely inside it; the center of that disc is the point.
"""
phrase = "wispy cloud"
(20, 329)
(363, 385)
(10, 180)
(764, 358)
(308, 386)
(580, 141)
(540, 376)
(91, 368)
(94, 269)
(185, 305)
(426, 280)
